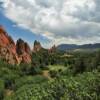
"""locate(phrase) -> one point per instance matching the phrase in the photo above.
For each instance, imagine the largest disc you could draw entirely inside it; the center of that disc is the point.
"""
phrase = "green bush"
(2, 87)
(54, 74)
(82, 87)
(35, 70)
(79, 80)
(28, 80)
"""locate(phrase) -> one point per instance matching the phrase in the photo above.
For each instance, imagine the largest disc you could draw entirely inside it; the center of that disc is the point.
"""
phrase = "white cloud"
(63, 21)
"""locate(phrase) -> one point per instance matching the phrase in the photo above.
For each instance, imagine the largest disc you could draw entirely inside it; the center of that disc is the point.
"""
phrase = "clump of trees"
(84, 62)
(80, 80)
(82, 87)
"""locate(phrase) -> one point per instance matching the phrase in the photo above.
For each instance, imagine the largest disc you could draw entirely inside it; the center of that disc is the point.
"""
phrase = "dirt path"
(8, 92)
(46, 74)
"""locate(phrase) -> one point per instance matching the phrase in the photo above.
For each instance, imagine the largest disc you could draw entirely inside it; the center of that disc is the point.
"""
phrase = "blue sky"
(17, 32)
(52, 21)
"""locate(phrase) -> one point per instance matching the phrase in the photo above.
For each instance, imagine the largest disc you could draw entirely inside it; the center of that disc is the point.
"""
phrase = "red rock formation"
(23, 51)
(20, 47)
(37, 46)
(7, 48)
(11, 53)
(27, 48)
(26, 58)
(52, 49)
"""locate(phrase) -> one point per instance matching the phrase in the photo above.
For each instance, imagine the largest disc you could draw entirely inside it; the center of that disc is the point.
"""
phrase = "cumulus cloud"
(61, 21)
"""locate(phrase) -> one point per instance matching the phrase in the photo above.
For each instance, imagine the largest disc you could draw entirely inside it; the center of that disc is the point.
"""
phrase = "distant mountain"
(65, 47)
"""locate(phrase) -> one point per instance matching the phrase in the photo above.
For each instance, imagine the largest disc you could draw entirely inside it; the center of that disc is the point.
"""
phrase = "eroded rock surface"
(11, 53)
(7, 48)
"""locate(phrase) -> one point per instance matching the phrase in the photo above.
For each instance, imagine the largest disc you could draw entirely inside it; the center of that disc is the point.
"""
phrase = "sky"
(52, 21)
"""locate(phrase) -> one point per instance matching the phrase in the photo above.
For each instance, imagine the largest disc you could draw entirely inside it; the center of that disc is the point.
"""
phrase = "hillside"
(65, 47)
(47, 74)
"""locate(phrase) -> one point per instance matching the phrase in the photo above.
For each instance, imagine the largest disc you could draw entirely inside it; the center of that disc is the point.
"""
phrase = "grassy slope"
(57, 67)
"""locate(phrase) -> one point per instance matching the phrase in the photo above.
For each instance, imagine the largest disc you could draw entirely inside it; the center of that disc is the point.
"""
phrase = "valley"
(47, 74)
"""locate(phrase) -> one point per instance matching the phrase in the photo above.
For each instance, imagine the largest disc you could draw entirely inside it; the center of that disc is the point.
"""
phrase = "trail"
(46, 74)
(8, 92)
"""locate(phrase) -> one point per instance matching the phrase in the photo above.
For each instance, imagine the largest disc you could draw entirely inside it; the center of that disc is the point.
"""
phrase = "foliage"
(1, 89)
(28, 80)
(72, 78)
(82, 87)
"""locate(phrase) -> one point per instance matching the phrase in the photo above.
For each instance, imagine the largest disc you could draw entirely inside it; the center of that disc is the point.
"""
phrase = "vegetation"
(82, 87)
(70, 76)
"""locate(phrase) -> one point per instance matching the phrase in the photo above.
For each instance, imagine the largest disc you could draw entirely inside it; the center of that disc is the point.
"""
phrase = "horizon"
(31, 46)
(50, 22)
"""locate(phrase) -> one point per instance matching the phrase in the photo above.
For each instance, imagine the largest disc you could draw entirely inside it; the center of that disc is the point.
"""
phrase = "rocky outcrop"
(37, 46)
(25, 58)
(13, 53)
(20, 52)
(23, 51)
(52, 49)
(7, 48)
(27, 48)
(20, 47)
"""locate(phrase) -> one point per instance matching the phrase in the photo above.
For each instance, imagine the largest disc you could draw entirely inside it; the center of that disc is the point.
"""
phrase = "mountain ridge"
(65, 47)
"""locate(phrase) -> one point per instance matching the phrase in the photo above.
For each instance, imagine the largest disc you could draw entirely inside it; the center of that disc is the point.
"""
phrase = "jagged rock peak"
(27, 48)
(37, 46)
(52, 49)
(11, 53)
(23, 51)
(20, 46)
(7, 48)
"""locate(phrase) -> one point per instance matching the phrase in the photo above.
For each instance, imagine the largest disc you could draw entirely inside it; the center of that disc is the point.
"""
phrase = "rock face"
(20, 47)
(52, 49)
(37, 46)
(23, 51)
(27, 48)
(7, 48)
(20, 52)
(11, 53)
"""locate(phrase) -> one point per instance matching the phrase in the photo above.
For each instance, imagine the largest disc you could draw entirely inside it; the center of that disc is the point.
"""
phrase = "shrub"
(54, 73)
(82, 87)
(28, 80)
(1, 89)
(35, 70)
